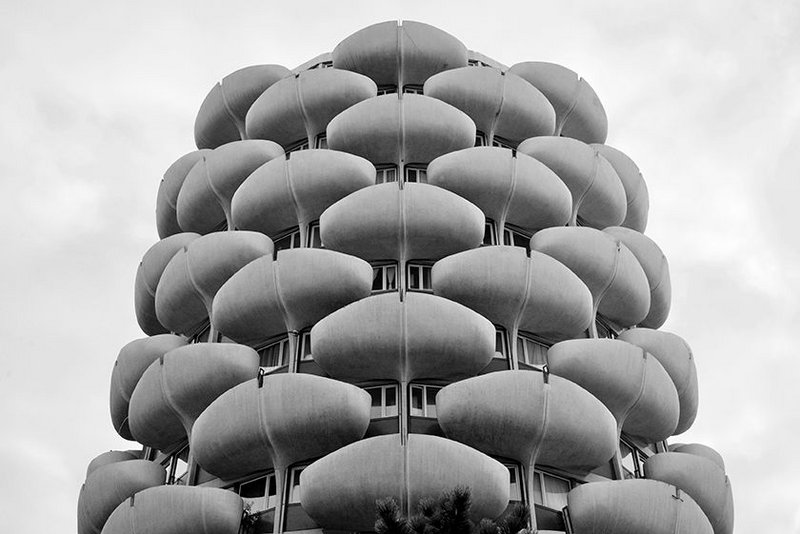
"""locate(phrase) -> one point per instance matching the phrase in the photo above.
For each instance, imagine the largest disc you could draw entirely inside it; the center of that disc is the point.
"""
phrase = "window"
(294, 485)
(632, 460)
(387, 90)
(384, 401)
(531, 350)
(321, 141)
(550, 490)
(419, 277)
(502, 143)
(275, 354)
(260, 493)
(287, 240)
(517, 238)
(385, 174)
(297, 145)
(500, 343)
(384, 277)
(480, 139)
(314, 236)
(177, 466)
(515, 482)
(323, 65)
(412, 89)
(604, 330)
(476, 63)
(423, 401)
(202, 334)
(304, 347)
(489, 233)
(416, 174)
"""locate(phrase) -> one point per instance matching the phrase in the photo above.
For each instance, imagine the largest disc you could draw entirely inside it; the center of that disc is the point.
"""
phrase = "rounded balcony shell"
(168, 189)
(579, 112)
(221, 118)
(299, 107)
(635, 187)
(339, 491)
(499, 103)
(509, 187)
(598, 196)
(111, 457)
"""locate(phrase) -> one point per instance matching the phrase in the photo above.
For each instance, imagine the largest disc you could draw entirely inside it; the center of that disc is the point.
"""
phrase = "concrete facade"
(399, 268)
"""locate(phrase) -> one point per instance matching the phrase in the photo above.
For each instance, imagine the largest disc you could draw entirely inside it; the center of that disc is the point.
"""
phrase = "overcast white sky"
(99, 98)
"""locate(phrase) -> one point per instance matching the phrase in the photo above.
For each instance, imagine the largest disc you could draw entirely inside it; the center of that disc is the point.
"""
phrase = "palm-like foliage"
(447, 514)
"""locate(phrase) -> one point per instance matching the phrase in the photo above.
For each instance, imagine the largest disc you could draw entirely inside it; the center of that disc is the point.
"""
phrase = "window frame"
(425, 389)
(412, 89)
(539, 479)
(417, 171)
(501, 335)
(300, 144)
(285, 352)
(384, 267)
(386, 90)
(171, 464)
(382, 172)
(270, 482)
(490, 229)
(512, 233)
(313, 230)
(384, 407)
(532, 339)
(321, 141)
(304, 346)
(422, 268)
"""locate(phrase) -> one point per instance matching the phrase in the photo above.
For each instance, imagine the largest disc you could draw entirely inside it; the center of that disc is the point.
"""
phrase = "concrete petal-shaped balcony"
(399, 54)
(634, 184)
(133, 360)
(221, 118)
(499, 103)
(111, 457)
(339, 491)
(413, 129)
(655, 268)
(699, 449)
(109, 485)
(631, 383)
(168, 189)
(181, 384)
(423, 336)
(509, 187)
(204, 201)
(197, 271)
(634, 506)
(536, 294)
(289, 418)
(530, 417)
(598, 196)
(177, 510)
(148, 275)
(288, 193)
(299, 108)
(676, 357)
(702, 479)
(266, 298)
(579, 112)
(384, 222)
(618, 284)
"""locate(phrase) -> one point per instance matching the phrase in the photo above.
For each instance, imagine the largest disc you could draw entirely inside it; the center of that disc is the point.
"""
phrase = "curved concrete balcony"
(676, 357)
(702, 479)
(499, 103)
(299, 107)
(536, 294)
(631, 383)
(634, 506)
(196, 272)
(221, 118)
(699, 450)
(612, 273)
(395, 54)
(109, 485)
(285, 193)
(531, 417)
(267, 298)
(288, 419)
(134, 358)
(598, 196)
(579, 112)
(423, 336)
(509, 187)
(385, 222)
(148, 275)
(177, 510)
(176, 389)
(413, 129)
(168, 189)
(634, 185)
(204, 201)
(111, 457)
(339, 491)
(656, 269)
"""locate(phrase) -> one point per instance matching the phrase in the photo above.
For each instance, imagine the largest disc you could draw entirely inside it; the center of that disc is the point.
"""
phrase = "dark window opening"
(385, 174)
(419, 277)
(384, 277)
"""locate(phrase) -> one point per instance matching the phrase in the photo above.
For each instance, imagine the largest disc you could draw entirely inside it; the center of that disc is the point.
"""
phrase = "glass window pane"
(521, 350)
(391, 401)
(500, 344)
(537, 489)
(377, 278)
(416, 401)
(391, 277)
(426, 277)
(272, 493)
(556, 489)
(413, 277)
(430, 401)
(294, 490)
(514, 493)
(628, 461)
(253, 489)
(377, 402)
